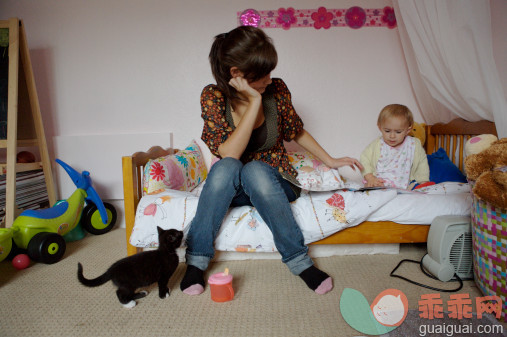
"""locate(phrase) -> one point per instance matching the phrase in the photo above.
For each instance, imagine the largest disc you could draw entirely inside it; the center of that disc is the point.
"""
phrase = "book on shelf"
(31, 191)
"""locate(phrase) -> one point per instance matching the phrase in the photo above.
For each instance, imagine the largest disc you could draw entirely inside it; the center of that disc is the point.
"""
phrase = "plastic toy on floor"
(21, 261)
(41, 232)
(5, 242)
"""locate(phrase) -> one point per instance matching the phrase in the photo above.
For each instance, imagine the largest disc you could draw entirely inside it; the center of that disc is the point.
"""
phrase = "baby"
(395, 159)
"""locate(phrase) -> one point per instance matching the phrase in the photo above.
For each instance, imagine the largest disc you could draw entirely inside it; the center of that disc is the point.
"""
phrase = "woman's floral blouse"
(282, 121)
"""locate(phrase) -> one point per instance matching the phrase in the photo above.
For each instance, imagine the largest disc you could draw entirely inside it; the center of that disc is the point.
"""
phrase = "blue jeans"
(229, 184)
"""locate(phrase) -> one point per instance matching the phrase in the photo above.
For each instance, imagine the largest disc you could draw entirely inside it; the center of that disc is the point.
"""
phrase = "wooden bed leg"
(129, 193)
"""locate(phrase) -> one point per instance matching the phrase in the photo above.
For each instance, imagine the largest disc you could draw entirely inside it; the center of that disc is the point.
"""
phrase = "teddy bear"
(419, 131)
(488, 169)
(478, 143)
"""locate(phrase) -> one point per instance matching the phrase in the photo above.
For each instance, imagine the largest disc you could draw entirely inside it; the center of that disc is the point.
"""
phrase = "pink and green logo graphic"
(386, 313)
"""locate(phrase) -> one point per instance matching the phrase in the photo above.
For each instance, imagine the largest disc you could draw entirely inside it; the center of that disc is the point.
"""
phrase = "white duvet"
(319, 214)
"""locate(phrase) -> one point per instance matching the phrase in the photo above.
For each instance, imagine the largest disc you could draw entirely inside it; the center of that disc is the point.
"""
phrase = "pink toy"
(221, 286)
(21, 261)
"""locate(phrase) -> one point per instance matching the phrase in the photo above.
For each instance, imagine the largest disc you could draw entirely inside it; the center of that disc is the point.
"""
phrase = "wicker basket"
(489, 237)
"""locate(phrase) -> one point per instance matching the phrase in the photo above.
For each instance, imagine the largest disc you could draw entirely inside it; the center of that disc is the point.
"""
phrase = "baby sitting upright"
(141, 270)
(395, 159)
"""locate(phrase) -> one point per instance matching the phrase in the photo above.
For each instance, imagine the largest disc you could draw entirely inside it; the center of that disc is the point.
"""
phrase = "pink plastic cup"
(221, 287)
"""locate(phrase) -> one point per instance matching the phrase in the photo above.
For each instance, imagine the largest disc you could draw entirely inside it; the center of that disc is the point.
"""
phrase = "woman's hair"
(247, 48)
(395, 110)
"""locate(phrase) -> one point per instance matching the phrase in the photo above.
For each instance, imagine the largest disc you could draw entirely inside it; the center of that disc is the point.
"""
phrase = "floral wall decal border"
(354, 17)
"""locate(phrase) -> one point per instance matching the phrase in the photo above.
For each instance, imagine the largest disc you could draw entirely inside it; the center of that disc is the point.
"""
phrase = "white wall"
(498, 29)
(131, 66)
(139, 66)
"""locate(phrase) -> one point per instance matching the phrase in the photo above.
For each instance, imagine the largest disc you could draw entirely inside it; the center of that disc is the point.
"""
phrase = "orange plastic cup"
(221, 287)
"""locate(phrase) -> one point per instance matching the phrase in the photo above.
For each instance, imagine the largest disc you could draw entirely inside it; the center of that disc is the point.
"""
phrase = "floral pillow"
(181, 171)
(313, 175)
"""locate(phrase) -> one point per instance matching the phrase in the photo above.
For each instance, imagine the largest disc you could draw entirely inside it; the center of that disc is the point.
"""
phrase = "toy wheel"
(92, 221)
(46, 247)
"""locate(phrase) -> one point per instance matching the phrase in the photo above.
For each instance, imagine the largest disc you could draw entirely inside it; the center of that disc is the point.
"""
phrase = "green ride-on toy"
(41, 232)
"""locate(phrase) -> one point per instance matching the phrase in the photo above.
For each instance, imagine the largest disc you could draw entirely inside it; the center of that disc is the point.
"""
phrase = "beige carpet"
(47, 300)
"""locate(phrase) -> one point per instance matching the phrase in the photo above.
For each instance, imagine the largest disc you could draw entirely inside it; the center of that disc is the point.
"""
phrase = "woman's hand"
(241, 85)
(345, 161)
(306, 140)
(247, 116)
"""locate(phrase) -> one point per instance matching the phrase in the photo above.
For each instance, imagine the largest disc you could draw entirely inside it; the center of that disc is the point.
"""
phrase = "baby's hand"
(372, 181)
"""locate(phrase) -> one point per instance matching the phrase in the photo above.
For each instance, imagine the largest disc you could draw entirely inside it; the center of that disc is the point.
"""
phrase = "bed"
(377, 227)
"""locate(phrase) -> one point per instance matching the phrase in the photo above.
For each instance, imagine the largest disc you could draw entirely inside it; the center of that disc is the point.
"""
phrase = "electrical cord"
(458, 279)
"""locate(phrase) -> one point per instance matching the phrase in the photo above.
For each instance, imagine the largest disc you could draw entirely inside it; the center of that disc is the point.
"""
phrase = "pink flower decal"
(336, 200)
(355, 17)
(250, 17)
(389, 17)
(157, 172)
(322, 18)
(151, 209)
(286, 17)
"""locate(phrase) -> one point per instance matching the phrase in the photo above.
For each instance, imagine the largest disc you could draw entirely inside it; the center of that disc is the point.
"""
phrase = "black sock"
(313, 277)
(193, 275)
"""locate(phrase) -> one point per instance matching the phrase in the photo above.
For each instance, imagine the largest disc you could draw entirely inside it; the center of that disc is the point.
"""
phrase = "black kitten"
(141, 270)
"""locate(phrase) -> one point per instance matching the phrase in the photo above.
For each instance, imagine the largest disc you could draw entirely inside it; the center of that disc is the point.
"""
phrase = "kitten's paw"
(130, 304)
(164, 294)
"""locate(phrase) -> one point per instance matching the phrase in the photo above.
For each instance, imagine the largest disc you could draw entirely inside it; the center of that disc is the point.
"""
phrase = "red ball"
(25, 157)
(21, 261)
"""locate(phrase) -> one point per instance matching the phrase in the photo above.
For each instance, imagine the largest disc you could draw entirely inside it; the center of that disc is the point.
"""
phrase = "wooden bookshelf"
(24, 122)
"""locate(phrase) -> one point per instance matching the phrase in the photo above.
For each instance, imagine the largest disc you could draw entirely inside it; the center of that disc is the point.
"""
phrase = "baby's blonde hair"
(395, 110)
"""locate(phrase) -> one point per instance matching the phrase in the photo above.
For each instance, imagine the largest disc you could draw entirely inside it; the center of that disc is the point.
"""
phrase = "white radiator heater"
(449, 248)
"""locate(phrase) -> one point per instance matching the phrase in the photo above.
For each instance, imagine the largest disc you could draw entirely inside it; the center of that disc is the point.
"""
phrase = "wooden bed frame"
(451, 136)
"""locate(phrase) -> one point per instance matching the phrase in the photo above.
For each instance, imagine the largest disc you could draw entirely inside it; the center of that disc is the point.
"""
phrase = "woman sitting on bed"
(247, 116)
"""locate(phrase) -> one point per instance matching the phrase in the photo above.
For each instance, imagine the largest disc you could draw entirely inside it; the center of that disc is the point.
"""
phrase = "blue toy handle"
(83, 181)
(94, 197)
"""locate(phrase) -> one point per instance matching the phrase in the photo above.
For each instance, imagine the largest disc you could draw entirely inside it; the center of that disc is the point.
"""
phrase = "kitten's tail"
(91, 282)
